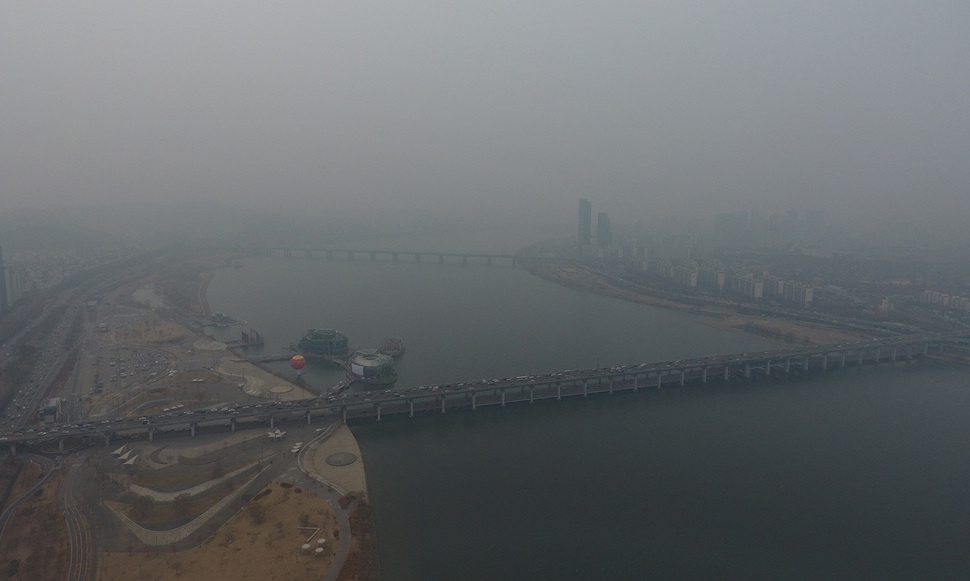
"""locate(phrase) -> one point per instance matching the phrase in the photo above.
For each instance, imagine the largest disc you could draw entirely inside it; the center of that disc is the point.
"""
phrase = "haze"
(491, 109)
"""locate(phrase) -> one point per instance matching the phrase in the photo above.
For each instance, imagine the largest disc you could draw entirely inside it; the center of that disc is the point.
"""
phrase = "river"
(861, 474)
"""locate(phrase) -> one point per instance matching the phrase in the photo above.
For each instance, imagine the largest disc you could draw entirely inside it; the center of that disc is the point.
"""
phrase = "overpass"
(505, 391)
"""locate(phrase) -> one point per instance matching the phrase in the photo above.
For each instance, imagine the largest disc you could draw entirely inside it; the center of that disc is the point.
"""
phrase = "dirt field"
(785, 331)
(39, 549)
(261, 542)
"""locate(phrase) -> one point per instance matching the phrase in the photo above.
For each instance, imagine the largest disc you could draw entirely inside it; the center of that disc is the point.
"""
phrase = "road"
(83, 557)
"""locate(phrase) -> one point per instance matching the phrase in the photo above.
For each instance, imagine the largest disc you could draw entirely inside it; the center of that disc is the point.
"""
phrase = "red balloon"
(298, 362)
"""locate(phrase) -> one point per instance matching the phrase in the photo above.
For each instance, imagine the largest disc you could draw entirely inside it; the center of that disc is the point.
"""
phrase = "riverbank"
(720, 317)
(311, 498)
(333, 459)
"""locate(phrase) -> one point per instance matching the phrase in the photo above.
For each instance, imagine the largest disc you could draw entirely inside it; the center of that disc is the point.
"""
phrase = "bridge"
(515, 390)
(395, 255)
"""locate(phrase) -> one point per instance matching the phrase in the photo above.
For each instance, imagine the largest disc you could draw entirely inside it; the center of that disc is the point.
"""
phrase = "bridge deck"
(530, 388)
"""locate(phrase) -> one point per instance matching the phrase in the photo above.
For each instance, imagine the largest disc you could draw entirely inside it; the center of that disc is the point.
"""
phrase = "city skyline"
(661, 109)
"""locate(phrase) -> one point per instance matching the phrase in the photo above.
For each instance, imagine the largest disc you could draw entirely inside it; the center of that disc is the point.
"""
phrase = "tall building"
(604, 234)
(3, 284)
(585, 221)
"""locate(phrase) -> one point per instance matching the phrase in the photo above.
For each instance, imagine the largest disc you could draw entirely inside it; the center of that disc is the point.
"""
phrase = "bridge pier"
(585, 388)
(727, 371)
(532, 398)
(287, 253)
(373, 256)
(474, 406)
(107, 442)
(747, 370)
(768, 368)
(410, 408)
(379, 406)
(13, 448)
(788, 365)
(193, 424)
(862, 353)
(151, 434)
(704, 375)
(611, 386)
(309, 418)
(232, 425)
(558, 391)
(683, 377)
(878, 353)
(636, 382)
(660, 380)
(272, 423)
(503, 397)
(328, 253)
(442, 404)
(843, 359)
(343, 413)
(60, 445)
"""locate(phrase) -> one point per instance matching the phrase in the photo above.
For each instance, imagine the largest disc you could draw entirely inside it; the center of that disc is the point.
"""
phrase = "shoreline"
(724, 318)
(349, 481)
(323, 468)
(261, 382)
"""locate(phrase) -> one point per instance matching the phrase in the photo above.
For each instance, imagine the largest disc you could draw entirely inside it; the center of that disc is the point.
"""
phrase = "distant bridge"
(414, 256)
(525, 388)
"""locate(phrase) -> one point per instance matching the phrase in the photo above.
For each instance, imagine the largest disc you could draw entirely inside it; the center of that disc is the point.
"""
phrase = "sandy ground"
(245, 548)
(345, 479)
(258, 382)
(242, 548)
(779, 330)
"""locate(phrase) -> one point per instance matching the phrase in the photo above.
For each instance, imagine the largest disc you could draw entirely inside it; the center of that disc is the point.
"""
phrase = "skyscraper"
(604, 234)
(585, 221)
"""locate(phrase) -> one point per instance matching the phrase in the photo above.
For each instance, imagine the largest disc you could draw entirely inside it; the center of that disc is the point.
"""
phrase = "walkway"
(170, 536)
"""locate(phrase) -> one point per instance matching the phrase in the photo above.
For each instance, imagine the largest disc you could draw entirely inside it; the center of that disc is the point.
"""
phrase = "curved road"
(44, 464)
(332, 494)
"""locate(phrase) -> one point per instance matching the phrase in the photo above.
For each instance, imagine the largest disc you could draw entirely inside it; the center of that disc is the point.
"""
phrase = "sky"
(859, 109)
